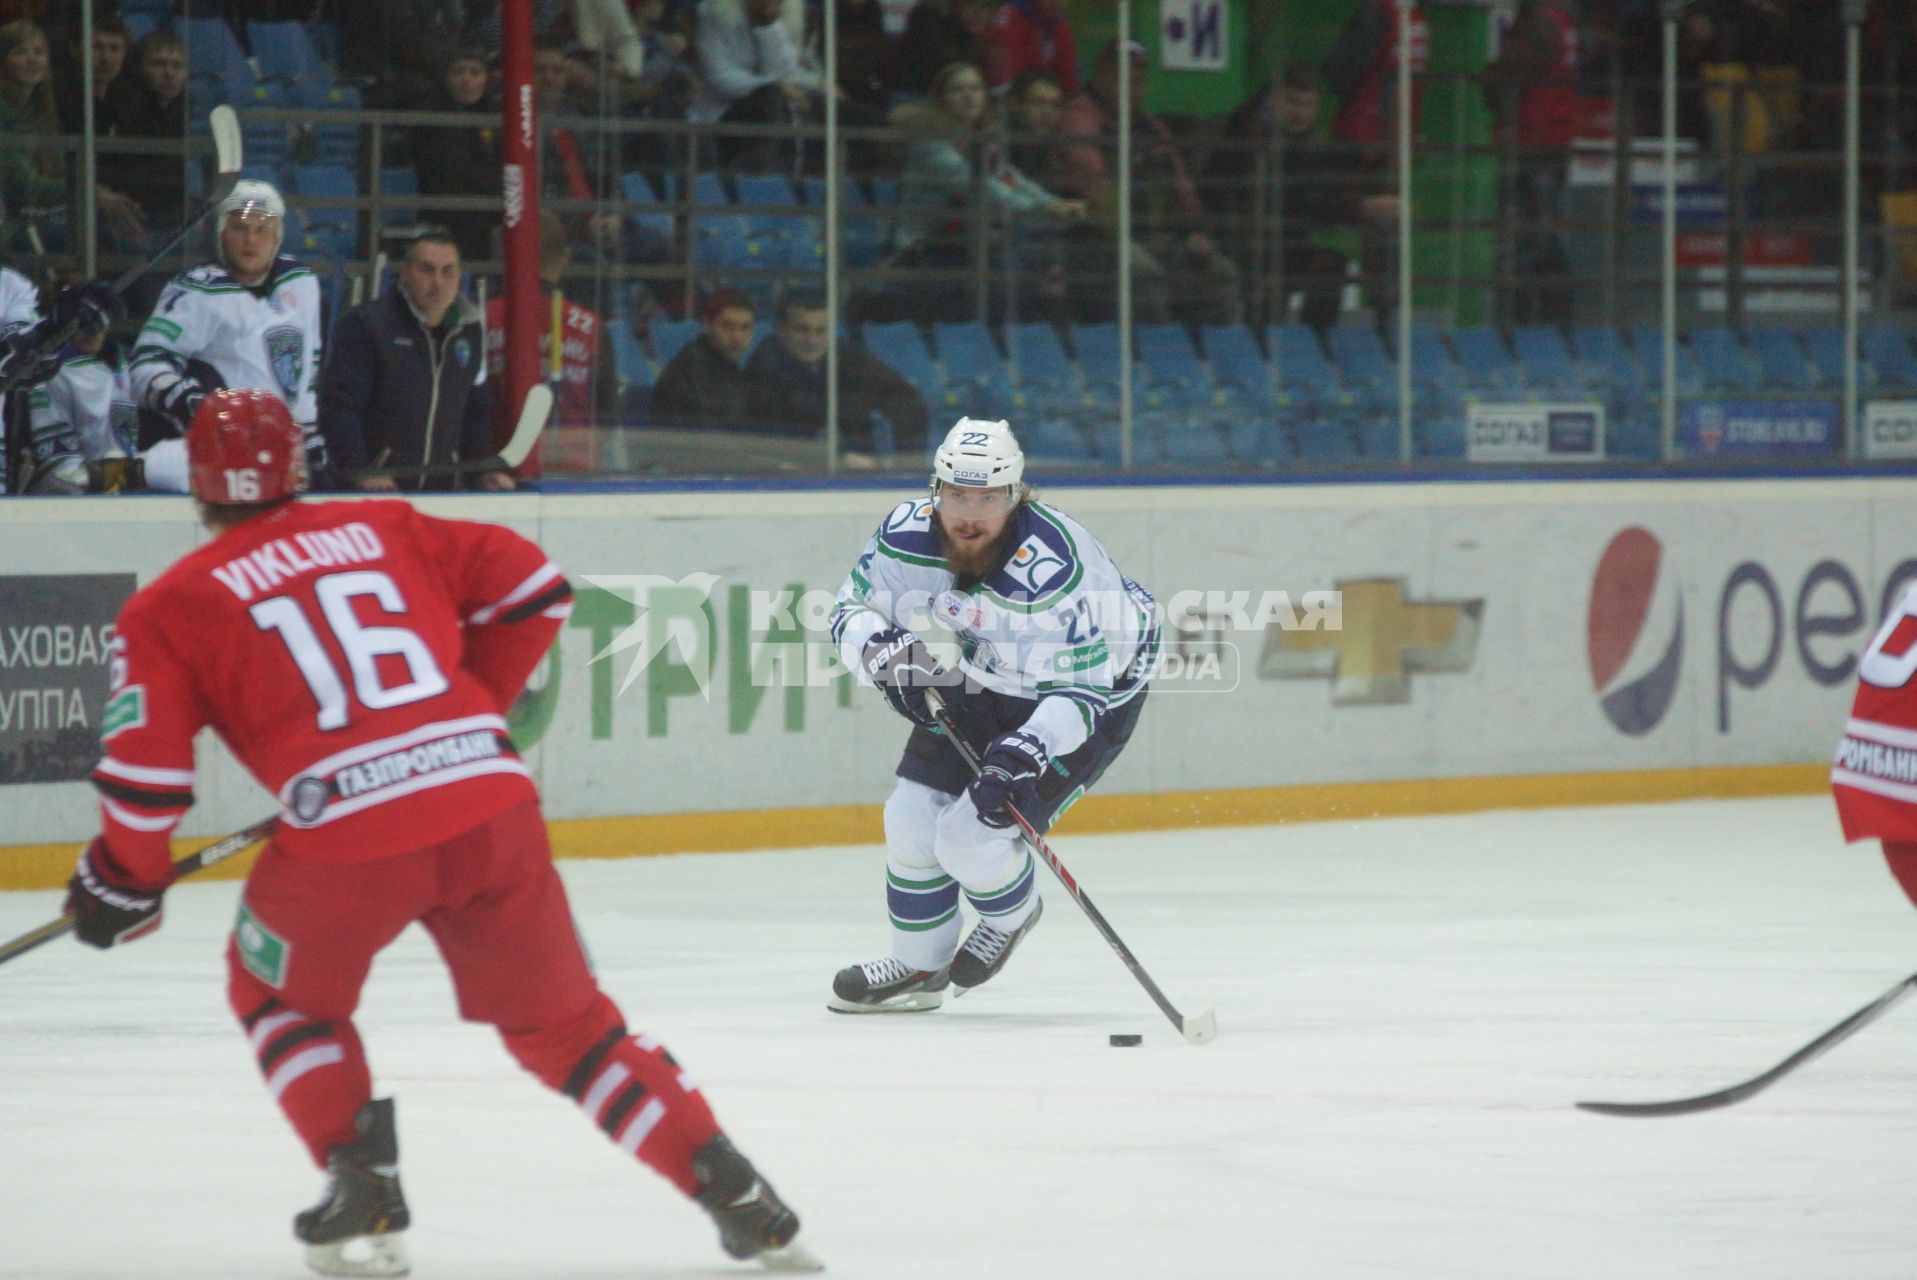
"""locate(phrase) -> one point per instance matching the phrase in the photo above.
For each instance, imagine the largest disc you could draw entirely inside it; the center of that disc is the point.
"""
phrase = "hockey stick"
(218, 851)
(225, 128)
(532, 420)
(1757, 1084)
(1199, 1029)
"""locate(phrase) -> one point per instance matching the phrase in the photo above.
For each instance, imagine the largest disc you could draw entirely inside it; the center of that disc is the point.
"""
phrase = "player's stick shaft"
(218, 851)
(1197, 1029)
(1757, 1084)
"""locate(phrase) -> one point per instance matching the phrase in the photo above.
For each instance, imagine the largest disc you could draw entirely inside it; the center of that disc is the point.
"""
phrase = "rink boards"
(1496, 645)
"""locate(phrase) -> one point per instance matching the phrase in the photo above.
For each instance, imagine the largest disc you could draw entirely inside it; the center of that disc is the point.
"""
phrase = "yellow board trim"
(47, 866)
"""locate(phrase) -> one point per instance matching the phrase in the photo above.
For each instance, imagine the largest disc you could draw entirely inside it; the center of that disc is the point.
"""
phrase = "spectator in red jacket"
(1031, 33)
(1532, 91)
(1362, 69)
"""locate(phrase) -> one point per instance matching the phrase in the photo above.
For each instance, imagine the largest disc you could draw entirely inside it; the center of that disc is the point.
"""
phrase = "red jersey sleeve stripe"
(149, 774)
(545, 574)
(143, 797)
(140, 821)
(539, 604)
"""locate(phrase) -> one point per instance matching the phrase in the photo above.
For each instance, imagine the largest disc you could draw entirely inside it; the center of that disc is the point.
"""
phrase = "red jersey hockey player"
(1875, 776)
(356, 657)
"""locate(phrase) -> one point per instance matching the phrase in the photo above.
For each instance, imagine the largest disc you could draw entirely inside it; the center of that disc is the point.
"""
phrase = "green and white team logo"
(124, 710)
(263, 952)
(286, 353)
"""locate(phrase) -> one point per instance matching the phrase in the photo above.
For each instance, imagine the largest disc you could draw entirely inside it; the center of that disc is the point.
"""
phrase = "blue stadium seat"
(1891, 359)
(1547, 363)
(1722, 360)
(762, 189)
(283, 52)
(1825, 346)
(401, 180)
(1238, 368)
(669, 338)
(902, 347)
(655, 223)
(336, 144)
(214, 57)
(1368, 373)
(1780, 360)
(1484, 362)
(330, 231)
(975, 372)
(1647, 344)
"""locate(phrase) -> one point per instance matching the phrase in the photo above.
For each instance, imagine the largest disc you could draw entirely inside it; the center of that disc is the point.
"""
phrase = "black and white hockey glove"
(107, 912)
(898, 662)
(1008, 776)
(177, 401)
(91, 307)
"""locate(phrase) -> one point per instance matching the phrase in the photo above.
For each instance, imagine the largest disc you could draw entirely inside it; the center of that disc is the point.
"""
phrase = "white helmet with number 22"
(979, 453)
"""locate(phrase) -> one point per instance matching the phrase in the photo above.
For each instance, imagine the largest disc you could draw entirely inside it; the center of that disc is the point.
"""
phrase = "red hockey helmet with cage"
(243, 446)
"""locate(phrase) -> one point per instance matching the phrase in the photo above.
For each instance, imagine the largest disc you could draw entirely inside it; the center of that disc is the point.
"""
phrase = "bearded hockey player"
(1057, 648)
(248, 320)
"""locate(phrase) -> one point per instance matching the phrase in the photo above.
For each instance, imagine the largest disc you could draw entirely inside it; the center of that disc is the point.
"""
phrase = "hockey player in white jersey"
(1057, 648)
(249, 320)
(29, 354)
(83, 414)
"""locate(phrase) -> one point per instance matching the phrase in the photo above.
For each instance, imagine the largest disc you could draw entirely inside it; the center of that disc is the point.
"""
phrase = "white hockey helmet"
(979, 453)
(251, 193)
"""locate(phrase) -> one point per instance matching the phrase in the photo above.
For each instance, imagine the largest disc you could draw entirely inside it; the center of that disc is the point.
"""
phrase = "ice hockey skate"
(355, 1229)
(754, 1224)
(888, 985)
(987, 949)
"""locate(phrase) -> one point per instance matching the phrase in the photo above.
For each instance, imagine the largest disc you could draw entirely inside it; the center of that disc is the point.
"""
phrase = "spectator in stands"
(939, 33)
(1034, 104)
(149, 102)
(462, 160)
(566, 170)
(704, 385)
(404, 382)
(33, 182)
(866, 70)
(1531, 89)
(1171, 232)
(587, 394)
(1316, 185)
(108, 56)
(401, 47)
(954, 164)
(786, 384)
(756, 67)
(1362, 69)
(1032, 33)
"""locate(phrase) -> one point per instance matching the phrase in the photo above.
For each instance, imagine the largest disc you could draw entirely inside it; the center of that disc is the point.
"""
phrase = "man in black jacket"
(404, 385)
(703, 386)
(786, 381)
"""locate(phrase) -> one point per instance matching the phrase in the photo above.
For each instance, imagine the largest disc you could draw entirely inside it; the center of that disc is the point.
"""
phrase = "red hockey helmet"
(243, 446)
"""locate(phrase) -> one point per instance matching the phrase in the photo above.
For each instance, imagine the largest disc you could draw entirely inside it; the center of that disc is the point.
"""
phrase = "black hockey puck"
(1125, 1042)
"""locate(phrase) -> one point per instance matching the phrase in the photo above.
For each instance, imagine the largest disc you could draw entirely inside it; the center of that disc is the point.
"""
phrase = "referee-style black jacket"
(394, 394)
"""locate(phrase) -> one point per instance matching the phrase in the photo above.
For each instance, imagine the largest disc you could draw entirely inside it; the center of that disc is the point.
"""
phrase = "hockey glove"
(177, 402)
(91, 307)
(106, 911)
(1008, 777)
(903, 669)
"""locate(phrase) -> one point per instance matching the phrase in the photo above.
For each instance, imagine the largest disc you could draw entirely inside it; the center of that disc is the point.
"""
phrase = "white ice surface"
(1407, 1010)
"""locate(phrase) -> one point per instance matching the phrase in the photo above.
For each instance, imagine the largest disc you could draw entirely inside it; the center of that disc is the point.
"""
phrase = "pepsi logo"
(1635, 632)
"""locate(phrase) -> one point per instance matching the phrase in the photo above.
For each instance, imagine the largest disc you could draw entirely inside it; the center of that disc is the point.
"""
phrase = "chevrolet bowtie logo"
(1385, 640)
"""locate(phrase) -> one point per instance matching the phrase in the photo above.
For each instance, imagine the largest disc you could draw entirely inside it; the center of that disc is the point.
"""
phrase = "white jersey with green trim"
(19, 301)
(1056, 623)
(85, 409)
(263, 337)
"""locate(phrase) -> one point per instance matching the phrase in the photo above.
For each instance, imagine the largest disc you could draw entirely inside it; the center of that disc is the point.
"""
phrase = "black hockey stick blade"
(1757, 1084)
(219, 851)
